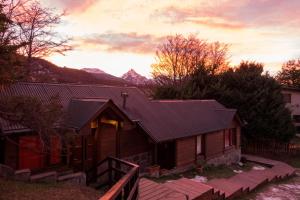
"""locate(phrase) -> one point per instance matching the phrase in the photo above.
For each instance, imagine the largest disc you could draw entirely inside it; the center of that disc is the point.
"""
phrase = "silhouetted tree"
(10, 69)
(290, 74)
(36, 29)
(259, 102)
(256, 96)
(32, 113)
(180, 57)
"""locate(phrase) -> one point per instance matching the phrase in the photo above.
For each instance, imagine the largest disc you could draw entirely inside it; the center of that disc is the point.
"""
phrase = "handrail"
(114, 192)
(93, 169)
(126, 187)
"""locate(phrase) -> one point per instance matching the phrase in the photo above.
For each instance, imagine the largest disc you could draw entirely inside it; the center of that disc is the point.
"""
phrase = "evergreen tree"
(255, 95)
(9, 66)
(259, 102)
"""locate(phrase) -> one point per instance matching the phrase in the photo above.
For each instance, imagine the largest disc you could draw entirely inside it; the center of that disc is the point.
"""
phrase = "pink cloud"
(236, 14)
(74, 5)
(126, 42)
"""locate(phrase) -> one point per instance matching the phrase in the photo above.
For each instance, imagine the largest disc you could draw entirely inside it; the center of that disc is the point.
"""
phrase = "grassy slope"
(209, 172)
(12, 190)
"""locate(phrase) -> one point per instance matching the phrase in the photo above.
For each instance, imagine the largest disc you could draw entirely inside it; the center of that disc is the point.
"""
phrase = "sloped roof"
(80, 111)
(162, 120)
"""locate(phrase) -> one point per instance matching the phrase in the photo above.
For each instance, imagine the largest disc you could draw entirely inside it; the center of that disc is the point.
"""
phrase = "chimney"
(124, 95)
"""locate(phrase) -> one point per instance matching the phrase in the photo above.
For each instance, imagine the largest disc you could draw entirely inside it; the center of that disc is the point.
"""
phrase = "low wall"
(144, 160)
(6, 171)
(228, 157)
(52, 176)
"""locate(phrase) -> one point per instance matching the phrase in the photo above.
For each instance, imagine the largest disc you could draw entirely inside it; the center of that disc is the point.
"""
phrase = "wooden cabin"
(122, 122)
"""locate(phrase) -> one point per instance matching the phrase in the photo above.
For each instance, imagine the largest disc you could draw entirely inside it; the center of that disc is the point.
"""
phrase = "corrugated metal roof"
(162, 120)
(80, 111)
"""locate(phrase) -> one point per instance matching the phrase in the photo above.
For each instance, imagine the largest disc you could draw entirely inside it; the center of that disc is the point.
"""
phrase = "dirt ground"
(12, 190)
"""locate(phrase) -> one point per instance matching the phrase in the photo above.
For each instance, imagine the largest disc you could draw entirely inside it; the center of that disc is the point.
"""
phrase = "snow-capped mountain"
(93, 70)
(108, 78)
(135, 78)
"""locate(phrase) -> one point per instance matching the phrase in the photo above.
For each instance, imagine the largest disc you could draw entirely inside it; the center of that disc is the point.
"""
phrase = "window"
(298, 129)
(230, 137)
(287, 98)
(227, 138)
(200, 144)
(233, 136)
(296, 118)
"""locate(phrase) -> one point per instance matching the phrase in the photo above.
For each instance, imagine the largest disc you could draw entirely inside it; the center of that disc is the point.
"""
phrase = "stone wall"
(6, 171)
(230, 156)
(144, 160)
(52, 176)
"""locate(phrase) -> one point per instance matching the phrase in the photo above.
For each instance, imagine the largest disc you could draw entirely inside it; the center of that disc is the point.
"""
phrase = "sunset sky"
(116, 35)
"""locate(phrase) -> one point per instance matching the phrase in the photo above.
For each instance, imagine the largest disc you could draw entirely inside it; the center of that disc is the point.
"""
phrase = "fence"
(270, 147)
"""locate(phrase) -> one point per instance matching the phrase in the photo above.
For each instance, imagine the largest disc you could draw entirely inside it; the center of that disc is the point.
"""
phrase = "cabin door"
(2, 148)
(166, 155)
(31, 153)
(107, 141)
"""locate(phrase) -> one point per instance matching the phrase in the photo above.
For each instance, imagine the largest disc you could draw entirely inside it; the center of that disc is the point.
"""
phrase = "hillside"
(44, 71)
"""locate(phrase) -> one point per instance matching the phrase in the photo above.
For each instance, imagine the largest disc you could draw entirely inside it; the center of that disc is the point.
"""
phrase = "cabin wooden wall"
(185, 151)
(11, 152)
(236, 125)
(133, 142)
(214, 144)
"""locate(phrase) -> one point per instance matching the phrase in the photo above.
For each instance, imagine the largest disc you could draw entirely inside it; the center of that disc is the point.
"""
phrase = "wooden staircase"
(217, 189)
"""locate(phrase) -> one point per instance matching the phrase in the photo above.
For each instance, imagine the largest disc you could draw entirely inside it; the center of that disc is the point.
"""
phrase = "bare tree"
(290, 74)
(179, 57)
(218, 58)
(36, 29)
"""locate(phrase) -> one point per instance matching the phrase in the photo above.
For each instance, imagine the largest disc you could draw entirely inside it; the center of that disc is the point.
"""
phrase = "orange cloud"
(217, 24)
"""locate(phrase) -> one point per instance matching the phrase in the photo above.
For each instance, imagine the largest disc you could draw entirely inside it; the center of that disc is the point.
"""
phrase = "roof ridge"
(183, 100)
(74, 84)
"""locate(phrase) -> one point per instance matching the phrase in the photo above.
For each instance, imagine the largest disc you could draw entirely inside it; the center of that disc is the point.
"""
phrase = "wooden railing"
(120, 175)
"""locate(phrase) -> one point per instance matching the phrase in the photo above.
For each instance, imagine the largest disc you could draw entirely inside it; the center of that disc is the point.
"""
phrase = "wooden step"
(230, 189)
(149, 190)
(194, 190)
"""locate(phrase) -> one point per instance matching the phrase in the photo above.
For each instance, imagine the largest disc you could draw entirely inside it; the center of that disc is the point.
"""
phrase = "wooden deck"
(151, 190)
(230, 188)
(192, 189)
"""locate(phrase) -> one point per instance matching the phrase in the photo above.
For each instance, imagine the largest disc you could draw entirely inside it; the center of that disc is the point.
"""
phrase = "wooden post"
(155, 154)
(118, 151)
(110, 181)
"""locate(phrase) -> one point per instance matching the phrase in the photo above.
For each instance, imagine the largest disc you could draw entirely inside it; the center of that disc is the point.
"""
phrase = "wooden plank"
(177, 187)
(230, 189)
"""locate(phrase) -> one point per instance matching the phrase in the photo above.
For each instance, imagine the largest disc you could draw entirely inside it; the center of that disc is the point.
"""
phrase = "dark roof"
(162, 120)
(294, 89)
(80, 111)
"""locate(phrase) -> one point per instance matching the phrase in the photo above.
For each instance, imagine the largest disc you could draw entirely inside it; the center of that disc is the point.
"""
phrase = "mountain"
(101, 75)
(41, 70)
(135, 78)
(93, 70)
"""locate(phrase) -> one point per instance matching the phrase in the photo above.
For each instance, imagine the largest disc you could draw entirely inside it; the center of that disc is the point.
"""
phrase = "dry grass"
(13, 190)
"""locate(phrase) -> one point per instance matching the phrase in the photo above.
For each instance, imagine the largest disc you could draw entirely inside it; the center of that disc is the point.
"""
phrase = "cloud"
(72, 6)
(217, 23)
(125, 42)
(235, 14)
